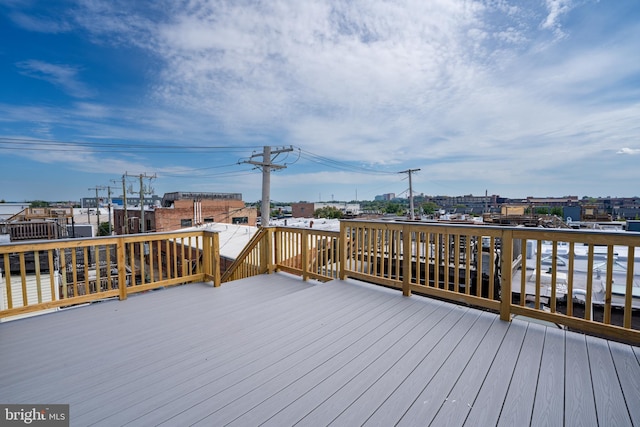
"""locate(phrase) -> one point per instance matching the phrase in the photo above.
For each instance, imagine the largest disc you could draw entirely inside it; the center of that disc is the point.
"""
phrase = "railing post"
(506, 253)
(269, 250)
(214, 259)
(304, 253)
(122, 270)
(342, 251)
(266, 244)
(211, 257)
(406, 260)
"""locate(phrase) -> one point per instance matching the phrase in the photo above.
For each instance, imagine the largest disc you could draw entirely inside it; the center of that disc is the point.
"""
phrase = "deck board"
(518, 406)
(579, 402)
(547, 408)
(341, 398)
(355, 375)
(628, 371)
(310, 373)
(459, 400)
(239, 357)
(435, 390)
(610, 404)
(366, 403)
(486, 408)
(277, 350)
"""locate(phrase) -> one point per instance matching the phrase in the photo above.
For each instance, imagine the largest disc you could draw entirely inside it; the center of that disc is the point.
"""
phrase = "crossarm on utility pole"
(267, 165)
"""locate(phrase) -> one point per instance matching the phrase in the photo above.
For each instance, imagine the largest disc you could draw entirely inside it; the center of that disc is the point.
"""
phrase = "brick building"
(182, 209)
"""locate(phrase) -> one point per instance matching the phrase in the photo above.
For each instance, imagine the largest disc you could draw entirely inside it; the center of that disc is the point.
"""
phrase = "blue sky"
(517, 98)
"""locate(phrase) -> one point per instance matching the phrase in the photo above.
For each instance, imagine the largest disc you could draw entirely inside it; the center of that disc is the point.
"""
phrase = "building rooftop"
(277, 350)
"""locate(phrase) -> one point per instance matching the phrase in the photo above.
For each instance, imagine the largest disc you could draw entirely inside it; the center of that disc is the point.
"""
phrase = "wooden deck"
(278, 351)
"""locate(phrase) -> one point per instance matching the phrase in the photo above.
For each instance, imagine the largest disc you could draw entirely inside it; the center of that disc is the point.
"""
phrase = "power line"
(75, 146)
(349, 167)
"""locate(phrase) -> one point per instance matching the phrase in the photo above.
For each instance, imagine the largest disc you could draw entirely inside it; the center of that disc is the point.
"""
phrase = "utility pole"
(143, 191)
(267, 165)
(109, 206)
(124, 203)
(410, 171)
(486, 201)
(97, 187)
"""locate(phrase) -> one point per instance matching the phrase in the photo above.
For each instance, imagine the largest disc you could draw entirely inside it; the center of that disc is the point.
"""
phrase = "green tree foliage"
(103, 229)
(557, 211)
(328, 212)
(394, 208)
(39, 204)
(429, 208)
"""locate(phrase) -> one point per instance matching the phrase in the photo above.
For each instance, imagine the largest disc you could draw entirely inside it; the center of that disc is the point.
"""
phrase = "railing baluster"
(538, 274)
(52, 279)
(554, 275)
(628, 300)
(609, 286)
(23, 280)
(36, 260)
(570, 290)
(588, 299)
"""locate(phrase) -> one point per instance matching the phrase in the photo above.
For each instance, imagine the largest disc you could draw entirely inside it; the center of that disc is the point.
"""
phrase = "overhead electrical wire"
(349, 167)
(50, 145)
(75, 146)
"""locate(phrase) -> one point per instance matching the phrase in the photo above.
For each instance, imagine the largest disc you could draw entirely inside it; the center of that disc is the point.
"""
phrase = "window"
(240, 220)
(186, 222)
(208, 220)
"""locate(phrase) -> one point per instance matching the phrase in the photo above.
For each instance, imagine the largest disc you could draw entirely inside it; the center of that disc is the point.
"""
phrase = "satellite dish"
(569, 220)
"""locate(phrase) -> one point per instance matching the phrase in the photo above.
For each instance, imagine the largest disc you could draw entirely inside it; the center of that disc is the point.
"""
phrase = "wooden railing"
(583, 280)
(312, 254)
(38, 276)
(254, 258)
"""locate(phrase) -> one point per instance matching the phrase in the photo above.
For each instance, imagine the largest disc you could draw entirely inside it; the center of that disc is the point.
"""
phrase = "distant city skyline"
(117, 199)
(514, 98)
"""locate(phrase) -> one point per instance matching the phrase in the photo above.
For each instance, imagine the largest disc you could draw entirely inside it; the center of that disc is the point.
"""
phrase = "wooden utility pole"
(267, 165)
(109, 206)
(124, 203)
(410, 171)
(143, 191)
(98, 187)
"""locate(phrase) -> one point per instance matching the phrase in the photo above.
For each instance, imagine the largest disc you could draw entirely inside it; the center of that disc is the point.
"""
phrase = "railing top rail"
(105, 240)
(517, 230)
(308, 230)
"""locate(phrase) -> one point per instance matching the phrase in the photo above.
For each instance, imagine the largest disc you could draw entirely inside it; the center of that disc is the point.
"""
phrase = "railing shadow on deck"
(582, 280)
(37, 276)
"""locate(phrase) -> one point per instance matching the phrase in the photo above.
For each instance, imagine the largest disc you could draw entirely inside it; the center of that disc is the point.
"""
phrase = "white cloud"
(556, 9)
(63, 76)
(630, 151)
(40, 24)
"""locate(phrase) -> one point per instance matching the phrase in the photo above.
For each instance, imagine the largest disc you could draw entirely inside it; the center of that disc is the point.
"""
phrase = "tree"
(394, 208)
(557, 211)
(39, 204)
(103, 229)
(429, 208)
